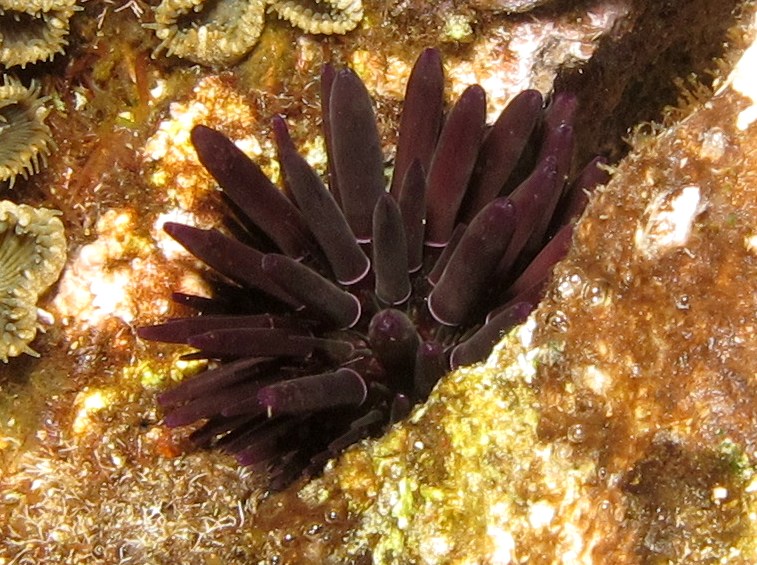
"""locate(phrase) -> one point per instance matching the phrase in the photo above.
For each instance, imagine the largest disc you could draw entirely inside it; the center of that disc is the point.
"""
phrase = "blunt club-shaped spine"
(339, 305)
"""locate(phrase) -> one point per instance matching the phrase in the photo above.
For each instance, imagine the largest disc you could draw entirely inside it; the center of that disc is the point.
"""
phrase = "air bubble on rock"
(683, 302)
(576, 433)
(558, 320)
(568, 286)
(596, 292)
(332, 516)
(314, 529)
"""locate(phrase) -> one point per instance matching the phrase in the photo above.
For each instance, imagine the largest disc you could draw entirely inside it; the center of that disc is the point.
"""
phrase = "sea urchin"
(338, 308)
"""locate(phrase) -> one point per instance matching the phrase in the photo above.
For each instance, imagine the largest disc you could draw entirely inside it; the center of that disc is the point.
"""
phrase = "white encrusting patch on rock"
(669, 220)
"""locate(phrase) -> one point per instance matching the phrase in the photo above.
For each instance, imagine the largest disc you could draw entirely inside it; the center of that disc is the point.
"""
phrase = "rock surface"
(623, 429)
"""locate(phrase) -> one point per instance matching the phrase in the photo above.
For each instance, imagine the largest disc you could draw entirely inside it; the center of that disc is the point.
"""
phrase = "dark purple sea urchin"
(338, 309)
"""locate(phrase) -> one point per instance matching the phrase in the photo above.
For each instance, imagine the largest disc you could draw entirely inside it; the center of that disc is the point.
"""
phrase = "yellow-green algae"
(427, 480)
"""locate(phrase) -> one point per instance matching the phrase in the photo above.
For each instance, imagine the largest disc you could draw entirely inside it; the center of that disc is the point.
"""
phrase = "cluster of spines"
(340, 307)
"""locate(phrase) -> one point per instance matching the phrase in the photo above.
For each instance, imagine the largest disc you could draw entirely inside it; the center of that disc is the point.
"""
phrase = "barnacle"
(25, 139)
(33, 30)
(32, 255)
(220, 33)
(341, 15)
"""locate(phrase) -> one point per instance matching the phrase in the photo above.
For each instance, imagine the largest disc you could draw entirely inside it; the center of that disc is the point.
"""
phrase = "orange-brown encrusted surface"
(620, 426)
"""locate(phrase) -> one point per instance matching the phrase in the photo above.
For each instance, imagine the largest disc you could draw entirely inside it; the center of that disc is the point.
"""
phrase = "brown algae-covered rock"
(617, 427)
(652, 325)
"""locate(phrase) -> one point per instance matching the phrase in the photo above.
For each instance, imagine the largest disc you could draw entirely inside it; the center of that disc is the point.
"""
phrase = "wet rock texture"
(633, 440)
(652, 320)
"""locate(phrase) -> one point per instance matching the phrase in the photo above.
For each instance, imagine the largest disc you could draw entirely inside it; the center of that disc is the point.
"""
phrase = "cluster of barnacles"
(207, 492)
(31, 31)
(32, 240)
(219, 34)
